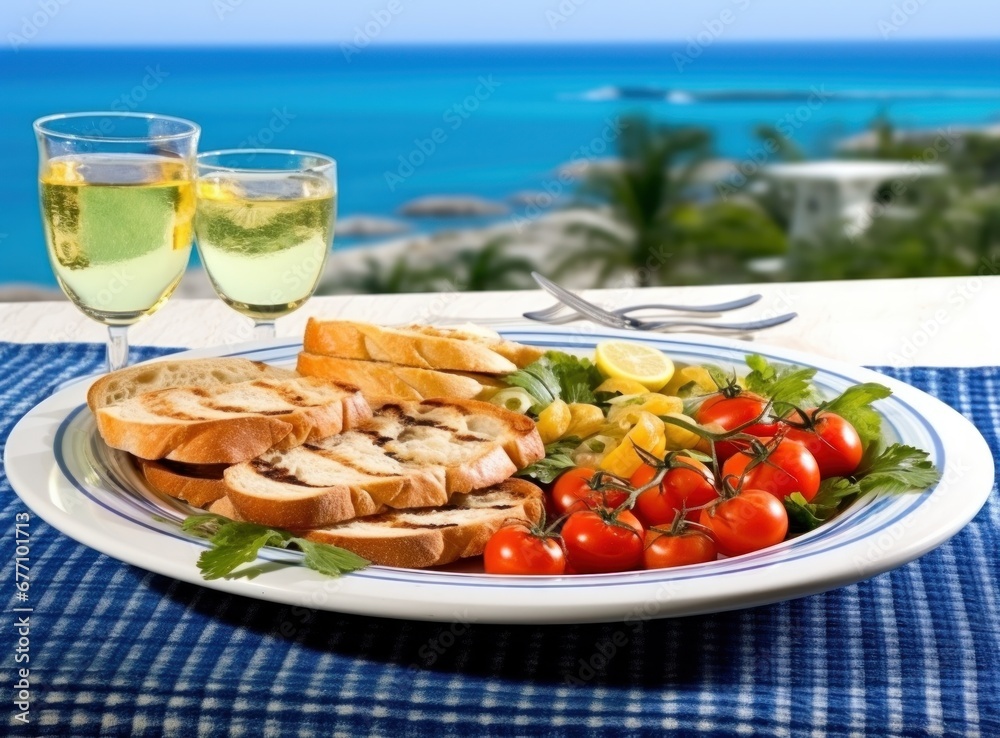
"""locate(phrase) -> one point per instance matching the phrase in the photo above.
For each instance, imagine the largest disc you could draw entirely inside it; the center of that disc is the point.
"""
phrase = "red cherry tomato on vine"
(516, 550)
(690, 485)
(572, 492)
(751, 520)
(596, 543)
(788, 468)
(664, 550)
(832, 441)
(731, 412)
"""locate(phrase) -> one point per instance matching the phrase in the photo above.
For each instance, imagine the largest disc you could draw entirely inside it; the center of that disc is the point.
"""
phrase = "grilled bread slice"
(436, 535)
(230, 423)
(381, 379)
(410, 454)
(424, 347)
(223, 507)
(117, 387)
(197, 484)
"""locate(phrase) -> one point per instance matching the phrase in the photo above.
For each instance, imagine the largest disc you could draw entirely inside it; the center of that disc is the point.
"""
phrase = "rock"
(580, 168)
(536, 198)
(446, 206)
(364, 226)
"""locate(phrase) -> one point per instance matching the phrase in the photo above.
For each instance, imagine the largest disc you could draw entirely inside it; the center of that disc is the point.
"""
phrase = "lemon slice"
(635, 362)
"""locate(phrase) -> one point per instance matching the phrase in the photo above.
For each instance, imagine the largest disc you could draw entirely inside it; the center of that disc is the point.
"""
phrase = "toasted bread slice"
(197, 484)
(436, 535)
(117, 387)
(230, 423)
(223, 507)
(410, 454)
(381, 379)
(423, 347)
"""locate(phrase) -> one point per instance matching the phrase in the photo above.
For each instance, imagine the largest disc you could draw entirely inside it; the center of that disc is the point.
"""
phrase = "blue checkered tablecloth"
(118, 651)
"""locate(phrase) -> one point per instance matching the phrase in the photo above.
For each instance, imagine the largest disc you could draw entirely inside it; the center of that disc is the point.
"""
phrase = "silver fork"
(752, 325)
(599, 315)
(549, 314)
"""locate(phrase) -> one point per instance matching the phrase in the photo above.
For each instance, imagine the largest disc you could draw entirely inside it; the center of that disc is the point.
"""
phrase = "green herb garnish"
(855, 406)
(557, 460)
(236, 543)
(557, 376)
(894, 470)
(784, 385)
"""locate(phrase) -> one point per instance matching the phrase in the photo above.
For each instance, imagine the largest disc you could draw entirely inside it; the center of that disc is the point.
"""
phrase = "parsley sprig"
(855, 406)
(894, 470)
(784, 385)
(235, 543)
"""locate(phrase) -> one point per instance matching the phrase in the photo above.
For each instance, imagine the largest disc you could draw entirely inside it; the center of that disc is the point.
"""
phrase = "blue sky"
(179, 22)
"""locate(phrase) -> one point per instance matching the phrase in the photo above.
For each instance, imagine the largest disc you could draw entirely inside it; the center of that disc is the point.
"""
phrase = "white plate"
(62, 470)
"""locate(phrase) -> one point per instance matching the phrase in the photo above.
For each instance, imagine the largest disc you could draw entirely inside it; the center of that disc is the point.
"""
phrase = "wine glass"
(264, 227)
(117, 201)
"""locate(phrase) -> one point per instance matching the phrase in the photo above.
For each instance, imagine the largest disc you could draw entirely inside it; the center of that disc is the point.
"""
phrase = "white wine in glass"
(264, 228)
(117, 201)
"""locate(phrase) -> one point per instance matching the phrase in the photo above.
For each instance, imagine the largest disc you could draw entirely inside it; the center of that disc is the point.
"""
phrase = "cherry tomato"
(572, 492)
(832, 441)
(597, 544)
(751, 520)
(516, 550)
(732, 412)
(677, 549)
(788, 468)
(690, 485)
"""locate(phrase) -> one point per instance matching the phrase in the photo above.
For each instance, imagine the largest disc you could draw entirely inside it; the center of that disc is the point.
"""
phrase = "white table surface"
(934, 322)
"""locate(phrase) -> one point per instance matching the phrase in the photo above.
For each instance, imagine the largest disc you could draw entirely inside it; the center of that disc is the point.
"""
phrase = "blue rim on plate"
(106, 479)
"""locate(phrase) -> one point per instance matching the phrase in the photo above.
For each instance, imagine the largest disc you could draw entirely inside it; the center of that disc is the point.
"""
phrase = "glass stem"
(117, 347)
(263, 329)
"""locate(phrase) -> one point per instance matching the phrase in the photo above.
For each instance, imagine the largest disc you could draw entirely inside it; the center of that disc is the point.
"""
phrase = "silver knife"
(589, 309)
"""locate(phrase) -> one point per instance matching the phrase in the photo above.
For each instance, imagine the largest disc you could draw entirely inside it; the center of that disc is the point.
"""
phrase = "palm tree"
(378, 278)
(657, 165)
(658, 225)
(489, 268)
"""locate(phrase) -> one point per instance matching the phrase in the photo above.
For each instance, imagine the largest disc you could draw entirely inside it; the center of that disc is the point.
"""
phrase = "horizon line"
(291, 45)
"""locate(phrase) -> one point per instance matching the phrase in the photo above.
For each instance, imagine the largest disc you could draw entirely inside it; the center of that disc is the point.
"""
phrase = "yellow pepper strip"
(553, 421)
(697, 374)
(585, 421)
(648, 433)
(651, 402)
(678, 438)
(621, 386)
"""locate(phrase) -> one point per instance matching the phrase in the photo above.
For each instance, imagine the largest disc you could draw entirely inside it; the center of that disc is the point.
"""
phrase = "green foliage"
(490, 267)
(662, 229)
(234, 544)
(557, 376)
(896, 470)
(662, 233)
(556, 461)
(781, 383)
(855, 406)
(377, 278)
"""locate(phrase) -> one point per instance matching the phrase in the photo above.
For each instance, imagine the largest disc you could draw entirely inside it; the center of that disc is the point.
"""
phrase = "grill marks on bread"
(267, 397)
(437, 535)
(231, 423)
(398, 432)
(407, 455)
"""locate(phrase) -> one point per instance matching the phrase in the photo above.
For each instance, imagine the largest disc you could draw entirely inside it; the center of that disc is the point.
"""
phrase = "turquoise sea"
(488, 120)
